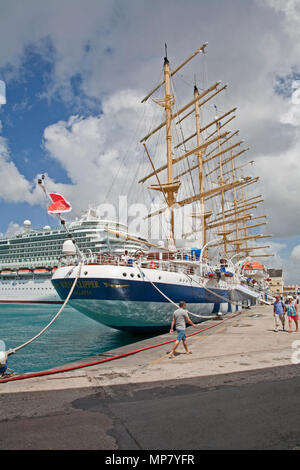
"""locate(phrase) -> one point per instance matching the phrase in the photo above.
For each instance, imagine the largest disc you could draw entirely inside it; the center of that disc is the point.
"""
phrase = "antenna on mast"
(166, 52)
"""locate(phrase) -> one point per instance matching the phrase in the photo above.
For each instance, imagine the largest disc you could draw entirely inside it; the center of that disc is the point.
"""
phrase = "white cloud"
(13, 185)
(97, 152)
(2, 93)
(295, 254)
(13, 229)
(292, 115)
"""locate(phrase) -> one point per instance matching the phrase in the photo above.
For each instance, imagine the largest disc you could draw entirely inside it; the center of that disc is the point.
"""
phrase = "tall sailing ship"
(204, 173)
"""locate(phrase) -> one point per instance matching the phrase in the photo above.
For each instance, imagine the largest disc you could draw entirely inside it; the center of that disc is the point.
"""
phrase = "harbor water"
(71, 337)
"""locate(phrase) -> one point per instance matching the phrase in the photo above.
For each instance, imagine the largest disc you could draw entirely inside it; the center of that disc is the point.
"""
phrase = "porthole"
(124, 274)
(132, 275)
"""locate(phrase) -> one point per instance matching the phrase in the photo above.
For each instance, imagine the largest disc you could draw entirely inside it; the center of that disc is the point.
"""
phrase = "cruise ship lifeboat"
(256, 269)
(24, 272)
(42, 271)
(8, 273)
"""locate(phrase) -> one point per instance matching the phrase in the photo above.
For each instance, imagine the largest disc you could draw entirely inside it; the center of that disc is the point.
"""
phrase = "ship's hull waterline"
(128, 298)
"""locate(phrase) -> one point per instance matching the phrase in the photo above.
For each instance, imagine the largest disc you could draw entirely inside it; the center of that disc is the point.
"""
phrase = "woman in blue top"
(292, 314)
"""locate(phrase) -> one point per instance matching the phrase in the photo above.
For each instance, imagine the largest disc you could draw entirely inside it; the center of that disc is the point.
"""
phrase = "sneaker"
(276, 330)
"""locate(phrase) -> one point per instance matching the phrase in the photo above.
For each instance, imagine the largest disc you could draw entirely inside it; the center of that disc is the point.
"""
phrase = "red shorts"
(293, 317)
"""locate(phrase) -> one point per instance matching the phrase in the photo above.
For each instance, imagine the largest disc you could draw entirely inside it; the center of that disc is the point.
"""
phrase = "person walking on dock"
(292, 313)
(179, 319)
(279, 311)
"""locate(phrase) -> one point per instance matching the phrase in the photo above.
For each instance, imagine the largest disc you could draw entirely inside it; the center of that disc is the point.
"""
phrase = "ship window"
(132, 275)
(124, 274)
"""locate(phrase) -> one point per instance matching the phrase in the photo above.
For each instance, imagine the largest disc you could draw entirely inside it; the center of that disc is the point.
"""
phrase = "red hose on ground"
(119, 356)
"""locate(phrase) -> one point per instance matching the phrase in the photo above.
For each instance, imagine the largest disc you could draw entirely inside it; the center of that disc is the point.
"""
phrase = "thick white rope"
(167, 298)
(233, 302)
(14, 350)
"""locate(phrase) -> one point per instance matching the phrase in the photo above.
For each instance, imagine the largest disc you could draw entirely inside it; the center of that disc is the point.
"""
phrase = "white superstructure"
(28, 259)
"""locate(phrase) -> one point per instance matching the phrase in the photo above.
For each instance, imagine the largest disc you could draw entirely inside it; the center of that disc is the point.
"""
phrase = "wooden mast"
(225, 232)
(168, 110)
(200, 168)
(233, 221)
(235, 205)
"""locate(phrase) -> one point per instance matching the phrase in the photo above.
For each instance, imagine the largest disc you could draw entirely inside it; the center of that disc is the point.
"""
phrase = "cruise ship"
(28, 259)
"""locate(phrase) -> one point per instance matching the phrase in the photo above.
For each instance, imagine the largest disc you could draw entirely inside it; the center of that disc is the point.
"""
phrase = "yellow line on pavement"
(199, 339)
(167, 355)
(221, 329)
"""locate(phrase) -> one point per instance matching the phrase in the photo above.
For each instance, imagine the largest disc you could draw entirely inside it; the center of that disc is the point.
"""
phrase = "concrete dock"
(242, 343)
(239, 369)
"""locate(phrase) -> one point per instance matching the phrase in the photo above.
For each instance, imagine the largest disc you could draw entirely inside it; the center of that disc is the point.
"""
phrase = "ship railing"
(171, 263)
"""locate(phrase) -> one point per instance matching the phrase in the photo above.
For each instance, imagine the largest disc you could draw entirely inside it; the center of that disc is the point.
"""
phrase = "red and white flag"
(59, 204)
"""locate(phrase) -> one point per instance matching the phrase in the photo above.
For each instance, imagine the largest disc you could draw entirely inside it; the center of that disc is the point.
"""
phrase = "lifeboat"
(54, 269)
(256, 269)
(41, 271)
(8, 273)
(24, 272)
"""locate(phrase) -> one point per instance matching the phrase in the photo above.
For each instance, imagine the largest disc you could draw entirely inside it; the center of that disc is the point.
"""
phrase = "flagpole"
(41, 182)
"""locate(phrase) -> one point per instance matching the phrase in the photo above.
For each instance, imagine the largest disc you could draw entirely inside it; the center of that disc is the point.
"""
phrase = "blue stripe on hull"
(138, 291)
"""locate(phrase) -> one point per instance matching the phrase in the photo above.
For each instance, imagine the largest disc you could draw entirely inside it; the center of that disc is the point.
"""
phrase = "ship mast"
(230, 222)
(200, 169)
(168, 111)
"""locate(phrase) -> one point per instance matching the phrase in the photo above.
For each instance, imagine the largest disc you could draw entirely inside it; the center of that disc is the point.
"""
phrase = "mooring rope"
(170, 300)
(14, 350)
(233, 302)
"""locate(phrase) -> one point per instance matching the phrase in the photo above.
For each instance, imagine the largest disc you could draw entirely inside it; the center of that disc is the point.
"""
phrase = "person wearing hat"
(279, 311)
(292, 313)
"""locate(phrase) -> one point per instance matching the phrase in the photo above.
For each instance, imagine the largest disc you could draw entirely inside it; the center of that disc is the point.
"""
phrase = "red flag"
(58, 205)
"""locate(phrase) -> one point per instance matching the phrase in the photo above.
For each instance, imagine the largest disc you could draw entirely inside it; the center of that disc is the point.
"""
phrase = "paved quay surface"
(238, 390)
(242, 343)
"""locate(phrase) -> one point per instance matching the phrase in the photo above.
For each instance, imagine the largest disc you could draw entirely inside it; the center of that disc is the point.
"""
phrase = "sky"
(72, 75)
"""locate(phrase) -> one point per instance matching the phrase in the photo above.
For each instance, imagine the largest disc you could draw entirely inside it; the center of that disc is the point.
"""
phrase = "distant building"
(293, 289)
(276, 283)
